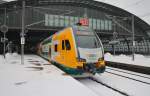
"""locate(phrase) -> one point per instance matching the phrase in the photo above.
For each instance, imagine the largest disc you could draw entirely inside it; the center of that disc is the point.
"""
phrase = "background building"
(45, 17)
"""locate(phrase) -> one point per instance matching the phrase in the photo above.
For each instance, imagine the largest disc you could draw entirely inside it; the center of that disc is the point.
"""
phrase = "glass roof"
(139, 8)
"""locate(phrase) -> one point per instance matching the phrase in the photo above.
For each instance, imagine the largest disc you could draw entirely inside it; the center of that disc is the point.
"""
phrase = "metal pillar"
(127, 44)
(133, 41)
(85, 13)
(23, 31)
(4, 45)
(114, 37)
(114, 51)
(5, 34)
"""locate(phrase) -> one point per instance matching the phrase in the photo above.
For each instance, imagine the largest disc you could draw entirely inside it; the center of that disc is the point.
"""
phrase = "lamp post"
(23, 32)
(114, 38)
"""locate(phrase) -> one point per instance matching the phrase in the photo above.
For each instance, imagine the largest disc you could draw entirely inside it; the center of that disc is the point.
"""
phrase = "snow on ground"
(139, 59)
(99, 89)
(128, 86)
(30, 80)
(131, 87)
(135, 75)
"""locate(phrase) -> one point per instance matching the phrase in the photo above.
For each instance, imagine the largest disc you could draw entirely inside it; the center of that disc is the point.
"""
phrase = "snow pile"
(139, 59)
(8, 55)
(108, 56)
(12, 58)
(15, 54)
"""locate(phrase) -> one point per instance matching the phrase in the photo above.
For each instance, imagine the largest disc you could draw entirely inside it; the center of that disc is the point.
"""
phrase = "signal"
(84, 22)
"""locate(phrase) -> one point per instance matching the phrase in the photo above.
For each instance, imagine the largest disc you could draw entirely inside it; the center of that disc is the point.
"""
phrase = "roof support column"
(127, 43)
(23, 32)
(133, 41)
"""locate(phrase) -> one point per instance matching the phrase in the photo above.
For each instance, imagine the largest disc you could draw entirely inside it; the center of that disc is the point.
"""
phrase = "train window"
(67, 44)
(63, 45)
(87, 41)
(56, 48)
(50, 51)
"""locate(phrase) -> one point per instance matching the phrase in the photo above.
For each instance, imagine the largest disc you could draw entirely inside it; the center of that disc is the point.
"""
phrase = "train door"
(49, 53)
(63, 51)
(54, 50)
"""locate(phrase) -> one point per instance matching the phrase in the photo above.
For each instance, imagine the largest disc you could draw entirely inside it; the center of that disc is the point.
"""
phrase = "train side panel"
(65, 54)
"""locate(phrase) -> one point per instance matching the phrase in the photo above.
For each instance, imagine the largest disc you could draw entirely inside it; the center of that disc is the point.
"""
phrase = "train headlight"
(81, 60)
(101, 59)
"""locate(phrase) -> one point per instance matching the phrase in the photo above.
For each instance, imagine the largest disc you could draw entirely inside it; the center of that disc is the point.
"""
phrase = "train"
(77, 50)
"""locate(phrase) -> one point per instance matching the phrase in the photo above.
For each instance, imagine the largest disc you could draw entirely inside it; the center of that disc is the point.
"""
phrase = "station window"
(106, 24)
(67, 44)
(71, 20)
(94, 23)
(56, 19)
(56, 48)
(109, 25)
(66, 20)
(90, 23)
(102, 24)
(62, 21)
(51, 20)
(46, 20)
(98, 24)
(76, 20)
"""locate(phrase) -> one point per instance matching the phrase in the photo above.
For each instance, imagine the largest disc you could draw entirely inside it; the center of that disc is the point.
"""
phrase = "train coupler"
(90, 67)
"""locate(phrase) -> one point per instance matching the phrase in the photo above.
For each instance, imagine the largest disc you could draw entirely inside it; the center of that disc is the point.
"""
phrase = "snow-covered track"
(128, 73)
(128, 77)
(108, 86)
(130, 67)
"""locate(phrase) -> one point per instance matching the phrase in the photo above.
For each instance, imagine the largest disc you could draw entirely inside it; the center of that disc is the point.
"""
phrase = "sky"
(139, 8)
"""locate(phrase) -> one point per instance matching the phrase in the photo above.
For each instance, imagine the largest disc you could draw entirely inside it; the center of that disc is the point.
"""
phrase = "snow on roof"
(138, 7)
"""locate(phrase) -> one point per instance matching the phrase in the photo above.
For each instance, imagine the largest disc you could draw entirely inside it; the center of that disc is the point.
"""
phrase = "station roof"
(140, 8)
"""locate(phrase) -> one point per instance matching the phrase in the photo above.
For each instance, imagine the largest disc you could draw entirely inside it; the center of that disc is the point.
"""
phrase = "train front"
(90, 50)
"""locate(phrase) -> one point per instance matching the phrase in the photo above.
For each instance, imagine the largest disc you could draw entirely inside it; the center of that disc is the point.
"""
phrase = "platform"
(36, 77)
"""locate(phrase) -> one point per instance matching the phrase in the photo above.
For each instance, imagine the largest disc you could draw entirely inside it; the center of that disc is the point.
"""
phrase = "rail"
(130, 67)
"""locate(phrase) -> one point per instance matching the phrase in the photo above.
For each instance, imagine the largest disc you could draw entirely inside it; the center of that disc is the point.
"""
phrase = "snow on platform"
(36, 78)
(139, 59)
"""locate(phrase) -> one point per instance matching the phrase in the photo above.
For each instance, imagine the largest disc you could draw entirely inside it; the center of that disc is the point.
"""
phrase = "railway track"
(128, 73)
(108, 86)
(130, 67)
(105, 82)
(129, 78)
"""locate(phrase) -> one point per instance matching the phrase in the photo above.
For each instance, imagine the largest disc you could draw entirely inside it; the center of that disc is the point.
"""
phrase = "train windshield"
(86, 38)
(87, 41)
